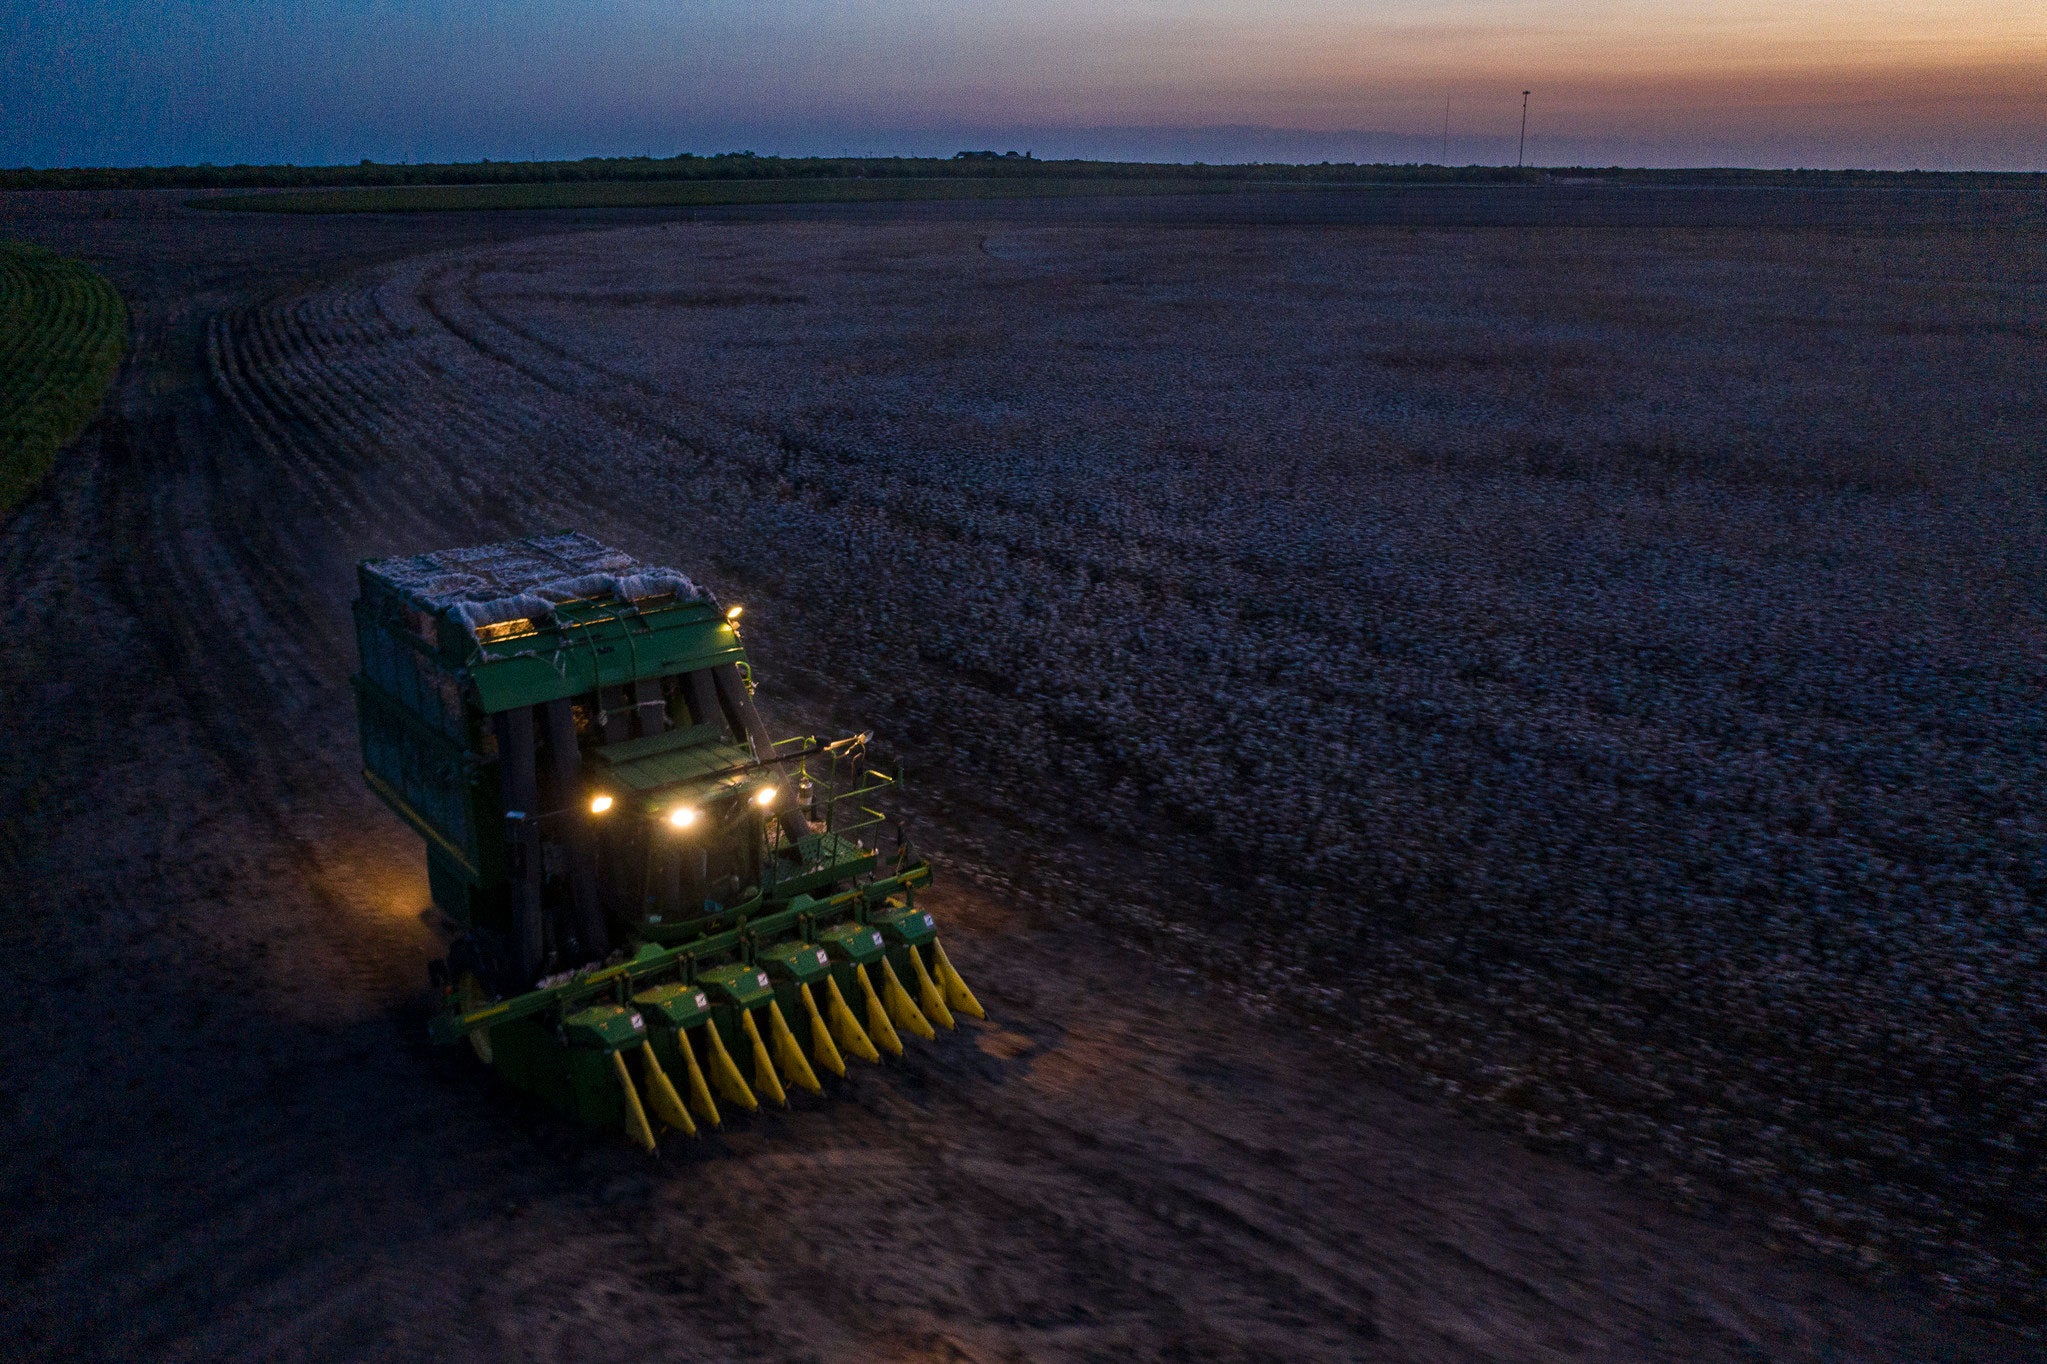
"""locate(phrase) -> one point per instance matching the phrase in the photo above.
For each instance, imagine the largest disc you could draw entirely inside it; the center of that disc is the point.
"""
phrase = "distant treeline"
(747, 166)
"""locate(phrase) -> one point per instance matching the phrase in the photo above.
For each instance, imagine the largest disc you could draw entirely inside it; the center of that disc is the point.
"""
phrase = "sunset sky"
(1935, 83)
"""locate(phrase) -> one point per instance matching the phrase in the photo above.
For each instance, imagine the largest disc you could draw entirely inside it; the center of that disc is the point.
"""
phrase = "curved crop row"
(62, 327)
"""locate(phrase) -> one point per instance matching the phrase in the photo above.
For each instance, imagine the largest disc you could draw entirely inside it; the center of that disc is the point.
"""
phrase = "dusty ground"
(224, 1136)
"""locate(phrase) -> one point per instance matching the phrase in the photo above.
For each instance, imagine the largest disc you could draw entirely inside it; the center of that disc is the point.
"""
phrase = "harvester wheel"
(470, 992)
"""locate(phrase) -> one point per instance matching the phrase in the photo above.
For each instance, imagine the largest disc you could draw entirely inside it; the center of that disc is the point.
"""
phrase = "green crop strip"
(684, 193)
(978, 166)
(62, 327)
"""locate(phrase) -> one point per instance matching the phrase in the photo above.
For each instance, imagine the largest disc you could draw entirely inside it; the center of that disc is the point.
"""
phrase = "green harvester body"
(634, 869)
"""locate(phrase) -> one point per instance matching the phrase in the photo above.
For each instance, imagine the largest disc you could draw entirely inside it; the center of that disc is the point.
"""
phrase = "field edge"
(70, 329)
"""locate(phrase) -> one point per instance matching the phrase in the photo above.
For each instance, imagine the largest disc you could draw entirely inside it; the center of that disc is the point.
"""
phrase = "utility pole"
(1523, 149)
(1446, 130)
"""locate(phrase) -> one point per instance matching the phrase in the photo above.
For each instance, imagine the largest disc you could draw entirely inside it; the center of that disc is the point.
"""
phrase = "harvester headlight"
(600, 804)
(733, 613)
(764, 797)
(682, 816)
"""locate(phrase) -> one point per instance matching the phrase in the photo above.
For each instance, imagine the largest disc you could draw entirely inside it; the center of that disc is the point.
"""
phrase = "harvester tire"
(469, 992)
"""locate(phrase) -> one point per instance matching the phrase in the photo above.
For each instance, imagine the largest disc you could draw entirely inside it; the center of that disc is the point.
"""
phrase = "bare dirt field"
(1481, 747)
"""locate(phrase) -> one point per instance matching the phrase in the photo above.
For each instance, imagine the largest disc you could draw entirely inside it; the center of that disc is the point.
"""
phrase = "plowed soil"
(225, 1136)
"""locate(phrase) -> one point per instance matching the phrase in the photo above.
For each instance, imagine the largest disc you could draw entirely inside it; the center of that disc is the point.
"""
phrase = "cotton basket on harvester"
(661, 910)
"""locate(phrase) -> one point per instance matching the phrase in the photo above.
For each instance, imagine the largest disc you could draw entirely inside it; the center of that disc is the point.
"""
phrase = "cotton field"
(1598, 672)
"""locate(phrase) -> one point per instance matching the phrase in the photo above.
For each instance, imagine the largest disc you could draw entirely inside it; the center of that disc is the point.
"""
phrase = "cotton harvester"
(645, 884)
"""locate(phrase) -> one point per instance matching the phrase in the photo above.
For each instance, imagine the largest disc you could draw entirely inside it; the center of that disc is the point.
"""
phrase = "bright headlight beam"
(599, 804)
(764, 797)
(682, 816)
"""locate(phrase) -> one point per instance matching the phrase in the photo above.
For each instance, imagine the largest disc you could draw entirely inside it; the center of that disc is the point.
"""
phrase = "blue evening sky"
(1760, 82)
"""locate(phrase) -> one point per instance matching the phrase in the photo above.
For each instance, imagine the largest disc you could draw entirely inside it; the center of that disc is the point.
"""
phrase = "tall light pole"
(1522, 150)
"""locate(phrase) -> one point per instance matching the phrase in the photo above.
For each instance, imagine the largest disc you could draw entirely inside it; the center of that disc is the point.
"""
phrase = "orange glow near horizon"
(1305, 65)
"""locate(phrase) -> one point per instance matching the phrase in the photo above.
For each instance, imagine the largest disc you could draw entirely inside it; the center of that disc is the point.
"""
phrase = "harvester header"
(633, 866)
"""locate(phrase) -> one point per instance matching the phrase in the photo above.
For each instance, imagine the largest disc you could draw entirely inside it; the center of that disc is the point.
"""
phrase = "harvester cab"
(635, 870)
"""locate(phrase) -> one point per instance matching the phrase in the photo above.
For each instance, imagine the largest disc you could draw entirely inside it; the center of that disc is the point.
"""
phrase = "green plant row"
(966, 165)
(729, 166)
(62, 327)
(684, 193)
